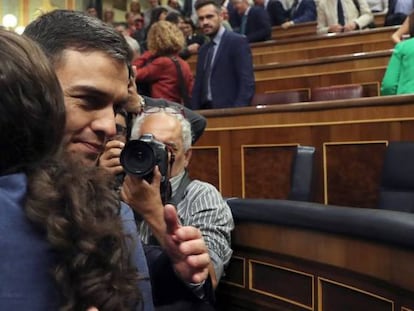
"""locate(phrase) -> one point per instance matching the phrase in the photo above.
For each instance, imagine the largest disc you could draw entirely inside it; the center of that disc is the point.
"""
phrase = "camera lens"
(138, 158)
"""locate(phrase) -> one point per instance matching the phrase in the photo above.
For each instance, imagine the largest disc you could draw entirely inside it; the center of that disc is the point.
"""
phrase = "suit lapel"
(219, 50)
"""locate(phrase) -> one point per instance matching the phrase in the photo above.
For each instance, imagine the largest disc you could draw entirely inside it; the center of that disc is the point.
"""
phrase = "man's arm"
(323, 26)
(243, 65)
(309, 13)
(403, 30)
(261, 21)
(365, 15)
(196, 93)
(184, 245)
(206, 210)
(182, 260)
(144, 198)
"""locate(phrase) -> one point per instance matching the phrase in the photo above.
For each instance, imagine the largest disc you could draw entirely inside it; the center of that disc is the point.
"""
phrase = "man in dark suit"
(224, 76)
(398, 11)
(277, 13)
(302, 11)
(254, 21)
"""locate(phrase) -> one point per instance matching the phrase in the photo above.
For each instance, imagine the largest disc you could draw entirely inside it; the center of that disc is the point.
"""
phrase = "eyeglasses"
(175, 110)
(121, 130)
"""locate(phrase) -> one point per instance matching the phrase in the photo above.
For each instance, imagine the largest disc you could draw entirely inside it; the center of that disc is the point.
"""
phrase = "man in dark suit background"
(302, 11)
(224, 76)
(254, 21)
(277, 13)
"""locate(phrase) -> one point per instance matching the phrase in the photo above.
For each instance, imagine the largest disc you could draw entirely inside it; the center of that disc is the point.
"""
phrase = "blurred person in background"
(161, 69)
(336, 16)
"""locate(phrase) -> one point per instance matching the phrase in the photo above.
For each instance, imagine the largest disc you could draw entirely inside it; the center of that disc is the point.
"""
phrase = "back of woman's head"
(156, 13)
(165, 38)
(32, 112)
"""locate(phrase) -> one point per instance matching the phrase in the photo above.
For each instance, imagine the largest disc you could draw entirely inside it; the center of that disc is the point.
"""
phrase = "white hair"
(133, 44)
(185, 125)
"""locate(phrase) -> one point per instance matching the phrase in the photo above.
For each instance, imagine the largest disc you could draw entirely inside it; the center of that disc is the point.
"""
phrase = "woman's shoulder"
(405, 46)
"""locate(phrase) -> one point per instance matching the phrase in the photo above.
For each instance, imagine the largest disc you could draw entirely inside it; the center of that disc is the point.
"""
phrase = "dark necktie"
(243, 24)
(206, 93)
(341, 17)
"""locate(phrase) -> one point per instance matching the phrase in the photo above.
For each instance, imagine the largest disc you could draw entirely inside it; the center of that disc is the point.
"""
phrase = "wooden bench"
(369, 89)
(363, 41)
(379, 19)
(315, 52)
(297, 30)
(359, 68)
(238, 151)
(323, 65)
(331, 39)
(350, 76)
(312, 52)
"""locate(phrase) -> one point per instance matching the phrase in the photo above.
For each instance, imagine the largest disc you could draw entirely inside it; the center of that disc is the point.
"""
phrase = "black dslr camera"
(140, 156)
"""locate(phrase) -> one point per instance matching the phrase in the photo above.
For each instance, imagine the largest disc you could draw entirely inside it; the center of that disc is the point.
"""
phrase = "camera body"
(140, 156)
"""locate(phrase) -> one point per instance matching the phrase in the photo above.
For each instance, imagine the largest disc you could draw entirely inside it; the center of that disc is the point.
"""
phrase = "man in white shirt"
(343, 15)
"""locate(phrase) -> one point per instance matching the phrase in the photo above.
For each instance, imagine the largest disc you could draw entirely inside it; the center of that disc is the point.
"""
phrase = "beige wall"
(28, 10)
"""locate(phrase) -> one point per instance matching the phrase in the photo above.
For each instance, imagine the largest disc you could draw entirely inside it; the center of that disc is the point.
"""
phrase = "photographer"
(198, 204)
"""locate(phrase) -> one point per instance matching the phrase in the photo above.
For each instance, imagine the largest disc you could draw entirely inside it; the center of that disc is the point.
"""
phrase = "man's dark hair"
(155, 15)
(174, 17)
(32, 111)
(200, 3)
(61, 30)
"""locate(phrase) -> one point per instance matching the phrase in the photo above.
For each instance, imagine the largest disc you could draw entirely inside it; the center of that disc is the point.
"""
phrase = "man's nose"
(105, 122)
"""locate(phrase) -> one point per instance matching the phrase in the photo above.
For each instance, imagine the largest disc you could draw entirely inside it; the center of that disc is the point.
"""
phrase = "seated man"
(302, 11)
(252, 21)
(198, 204)
(343, 15)
(277, 13)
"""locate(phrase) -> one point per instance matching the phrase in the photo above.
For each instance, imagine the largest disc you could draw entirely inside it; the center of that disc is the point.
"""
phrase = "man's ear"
(187, 156)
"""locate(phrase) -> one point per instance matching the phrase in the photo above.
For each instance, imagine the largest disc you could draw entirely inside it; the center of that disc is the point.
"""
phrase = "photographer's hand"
(186, 248)
(184, 244)
(145, 199)
(109, 159)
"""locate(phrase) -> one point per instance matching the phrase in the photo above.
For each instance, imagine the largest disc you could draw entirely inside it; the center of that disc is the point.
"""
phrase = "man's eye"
(119, 106)
(90, 103)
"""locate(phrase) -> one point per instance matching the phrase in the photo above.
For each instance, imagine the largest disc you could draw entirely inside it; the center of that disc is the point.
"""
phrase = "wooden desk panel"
(316, 52)
(379, 19)
(298, 30)
(358, 76)
(332, 39)
(329, 272)
(324, 65)
(343, 123)
(318, 46)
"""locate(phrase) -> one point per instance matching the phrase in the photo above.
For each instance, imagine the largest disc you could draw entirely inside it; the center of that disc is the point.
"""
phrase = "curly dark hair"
(80, 216)
(73, 205)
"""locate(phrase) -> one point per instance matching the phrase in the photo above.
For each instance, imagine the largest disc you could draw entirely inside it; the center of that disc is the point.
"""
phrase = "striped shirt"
(203, 207)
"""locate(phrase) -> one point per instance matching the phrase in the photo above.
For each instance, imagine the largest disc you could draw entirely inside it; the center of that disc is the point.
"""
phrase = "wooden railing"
(298, 30)
(360, 68)
(318, 46)
(331, 39)
(241, 149)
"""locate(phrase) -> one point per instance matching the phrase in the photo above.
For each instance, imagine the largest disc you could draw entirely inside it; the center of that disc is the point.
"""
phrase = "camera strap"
(180, 193)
